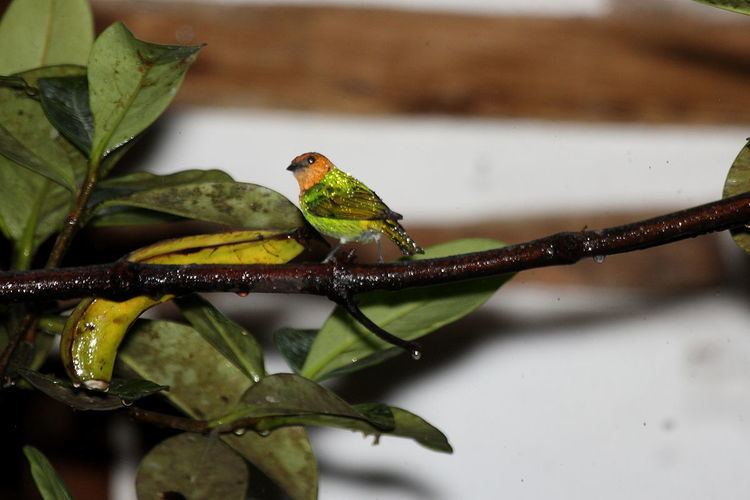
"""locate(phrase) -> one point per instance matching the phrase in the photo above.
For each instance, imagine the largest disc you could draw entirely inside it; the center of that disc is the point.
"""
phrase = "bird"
(340, 206)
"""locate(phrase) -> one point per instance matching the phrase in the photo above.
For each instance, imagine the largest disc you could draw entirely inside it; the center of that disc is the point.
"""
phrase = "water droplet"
(239, 432)
(126, 402)
(598, 259)
(264, 433)
(242, 294)
(416, 354)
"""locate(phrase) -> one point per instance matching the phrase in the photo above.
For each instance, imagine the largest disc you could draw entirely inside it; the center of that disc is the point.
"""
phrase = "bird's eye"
(310, 160)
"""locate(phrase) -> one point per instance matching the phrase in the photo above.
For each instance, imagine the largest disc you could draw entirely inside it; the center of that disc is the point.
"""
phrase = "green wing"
(341, 196)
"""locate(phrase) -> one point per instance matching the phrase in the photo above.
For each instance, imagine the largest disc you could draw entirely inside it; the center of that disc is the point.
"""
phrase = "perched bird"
(338, 205)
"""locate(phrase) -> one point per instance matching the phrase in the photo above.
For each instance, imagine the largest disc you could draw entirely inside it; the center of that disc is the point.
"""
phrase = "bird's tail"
(404, 242)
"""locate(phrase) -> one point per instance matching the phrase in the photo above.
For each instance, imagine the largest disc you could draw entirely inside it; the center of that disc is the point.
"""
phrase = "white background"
(546, 392)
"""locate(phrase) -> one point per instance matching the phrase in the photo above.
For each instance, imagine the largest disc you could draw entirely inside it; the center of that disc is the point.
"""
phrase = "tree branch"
(123, 279)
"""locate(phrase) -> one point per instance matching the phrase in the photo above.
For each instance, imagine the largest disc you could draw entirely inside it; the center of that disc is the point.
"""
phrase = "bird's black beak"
(293, 167)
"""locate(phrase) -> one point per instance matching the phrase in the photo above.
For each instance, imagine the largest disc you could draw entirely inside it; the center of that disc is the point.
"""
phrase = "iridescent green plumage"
(340, 206)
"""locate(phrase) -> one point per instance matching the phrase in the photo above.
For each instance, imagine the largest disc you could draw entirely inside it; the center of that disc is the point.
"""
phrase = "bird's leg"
(332, 253)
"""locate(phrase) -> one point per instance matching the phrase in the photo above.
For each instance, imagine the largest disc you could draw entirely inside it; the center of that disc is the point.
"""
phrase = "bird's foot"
(348, 257)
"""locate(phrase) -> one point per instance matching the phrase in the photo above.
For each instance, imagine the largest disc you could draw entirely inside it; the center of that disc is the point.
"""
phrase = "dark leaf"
(121, 393)
(192, 466)
(65, 101)
(286, 399)
(124, 216)
(126, 185)
(230, 203)
(294, 345)
(205, 385)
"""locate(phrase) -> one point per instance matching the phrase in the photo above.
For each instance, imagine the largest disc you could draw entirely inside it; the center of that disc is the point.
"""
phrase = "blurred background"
(509, 119)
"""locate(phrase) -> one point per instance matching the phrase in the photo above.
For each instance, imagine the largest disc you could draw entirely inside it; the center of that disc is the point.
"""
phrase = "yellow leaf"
(96, 327)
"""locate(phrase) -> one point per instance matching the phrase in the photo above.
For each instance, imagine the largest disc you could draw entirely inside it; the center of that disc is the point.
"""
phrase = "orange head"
(309, 169)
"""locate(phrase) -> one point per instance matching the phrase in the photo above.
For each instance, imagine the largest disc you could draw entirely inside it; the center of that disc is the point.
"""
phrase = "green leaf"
(738, 182)
(126, 185)
(129, 390)
(132, 217)
(233, 204)
(65, 101)
(192, 466)
(411, 426)
(131, 82)
(230, 339)
(286, 399)
(205, 385)
(123, 186)
(344, 344)
(295, 345)
(35, 33)
(13, 149)
(121, 393)
(49, 484)
(32, 208)
(741, 6)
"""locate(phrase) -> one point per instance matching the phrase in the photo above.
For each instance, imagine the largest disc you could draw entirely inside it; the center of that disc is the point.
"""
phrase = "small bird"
(338, 205)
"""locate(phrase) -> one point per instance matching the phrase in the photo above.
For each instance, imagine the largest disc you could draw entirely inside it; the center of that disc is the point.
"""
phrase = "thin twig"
(188, 424)
(348, 303)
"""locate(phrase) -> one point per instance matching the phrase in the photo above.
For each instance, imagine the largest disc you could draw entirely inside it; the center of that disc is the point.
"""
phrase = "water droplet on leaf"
(416, 354)
(598, 259)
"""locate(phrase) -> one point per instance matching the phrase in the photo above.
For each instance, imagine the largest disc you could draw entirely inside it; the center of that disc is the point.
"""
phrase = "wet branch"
(341, 282)
(123, 279)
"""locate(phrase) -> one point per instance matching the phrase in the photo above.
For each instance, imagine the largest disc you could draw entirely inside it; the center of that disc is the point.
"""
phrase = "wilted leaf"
(205, 385)
(121, 391)
(49, 484)
(35, 33)
(741, 6)
(191, 466)
(65, 101)
(343, 343)
(131, 82)
(286, 399)
(233, 204)
(738, 182)
(230, 339)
